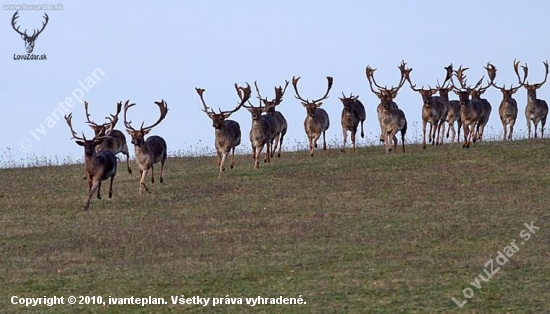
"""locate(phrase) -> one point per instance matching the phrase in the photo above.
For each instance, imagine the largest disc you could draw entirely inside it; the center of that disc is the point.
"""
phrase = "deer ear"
(249, 110)
(129, 131)
(146, 131)
(81, 143)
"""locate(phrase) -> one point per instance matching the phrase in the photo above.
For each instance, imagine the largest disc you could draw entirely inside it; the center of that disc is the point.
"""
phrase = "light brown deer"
(536, 109)
(148, 152)
(508, 109)
(100, 165)
(115, 141)
(470, 110)
(390, 117)
(434, 112)
(281, 124)
(317, 121)
(262, 131)
(227, 132)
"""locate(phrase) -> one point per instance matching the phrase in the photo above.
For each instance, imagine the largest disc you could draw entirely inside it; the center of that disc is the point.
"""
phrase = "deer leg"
(324, 141)
(152, 176)
(92, 190)
(111, 186)
(232, 164)
(218, 154)
(222, 164)
(280, 146)
(142, 185)
(394, 142)
(542, 124)
(441, 131)
(536, 122)
(267, 151)
(362, 133)
(512, 123)
(403, 140)
(124, 150)
(275, 144)
(345, 134)
(353, 139)
(528, 128)
(161, 170)
(424, 134)
(99, 190)
(259, 149)
(466, 134)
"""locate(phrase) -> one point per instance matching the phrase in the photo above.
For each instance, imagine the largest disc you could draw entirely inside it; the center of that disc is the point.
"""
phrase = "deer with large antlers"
(280, 121)
(470, 110)
(434, 112)
(484, 105)
(115, 141)
(29, 40)
(262, 131)
(148, 152)
(508, 109)
(227, 132)
(391, 118)
(317, 121)
(353, 113)
(536, 109)
(453, 114)
(100, 165)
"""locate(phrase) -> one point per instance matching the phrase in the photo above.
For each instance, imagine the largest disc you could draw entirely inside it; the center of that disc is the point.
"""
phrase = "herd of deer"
(269, 126)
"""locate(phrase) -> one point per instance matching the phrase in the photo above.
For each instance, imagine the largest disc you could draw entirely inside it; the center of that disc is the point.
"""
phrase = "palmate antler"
(244, 94)
(317, 102)
(68, 119)
(163, 108)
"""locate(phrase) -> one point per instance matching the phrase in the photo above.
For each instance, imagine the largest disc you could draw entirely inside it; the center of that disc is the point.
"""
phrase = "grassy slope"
(349, 232)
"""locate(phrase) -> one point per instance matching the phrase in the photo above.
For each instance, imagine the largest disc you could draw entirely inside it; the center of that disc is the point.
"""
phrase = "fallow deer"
(453, 114)
(100, 165)
(470, 110)
(262, 131)
(536, 109)
(281, 124)
(508, 109)
(353, 113)
(115, 141)
(227, 132)
(434, 111)
(148, 152)
(484, 105)
(317, 121)
(391, 118)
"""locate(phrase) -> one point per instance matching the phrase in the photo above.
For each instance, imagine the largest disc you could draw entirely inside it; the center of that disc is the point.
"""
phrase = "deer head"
(311, 105)
(506, 92)
(89, 145)
(138, 136)
(386, 95)
(29, 40)
(105, 128)
(348, 102)
(219, 118)
(270, 105)
(531, 88)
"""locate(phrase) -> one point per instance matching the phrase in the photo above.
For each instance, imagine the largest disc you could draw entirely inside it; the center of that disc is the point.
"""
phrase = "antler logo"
(29, 40)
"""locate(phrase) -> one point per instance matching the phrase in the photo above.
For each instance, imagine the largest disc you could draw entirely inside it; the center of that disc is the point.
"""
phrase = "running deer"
(391, 118)
(434, 112)
(100, 165)
(262, 131)
(115, 141)
(148, 152)
(353, 113)
(227, 132)
(281, 124)
(470, 110)
(317, 121)
(484, 105)
(508, 109)
(453, 114)
(536, 109)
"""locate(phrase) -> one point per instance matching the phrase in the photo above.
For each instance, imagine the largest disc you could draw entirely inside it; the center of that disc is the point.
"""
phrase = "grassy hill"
(363, 232)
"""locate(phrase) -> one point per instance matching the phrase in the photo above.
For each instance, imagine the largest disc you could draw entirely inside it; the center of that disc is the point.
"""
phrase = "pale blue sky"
(153, 50)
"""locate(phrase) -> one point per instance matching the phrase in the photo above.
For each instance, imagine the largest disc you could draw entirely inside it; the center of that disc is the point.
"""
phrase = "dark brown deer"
(484, 105)
(434, 112)
(317, 121)
(508, 109)
(227, 132)
(148, 152)
(115, 141)
(29, 40)
(536, 109)
(390, 117)
(453, 114)
(353, 113)
(100, 165)
(281, 124)
(262, 131)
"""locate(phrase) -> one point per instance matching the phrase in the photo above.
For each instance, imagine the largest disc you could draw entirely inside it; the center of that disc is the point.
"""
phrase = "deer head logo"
(29, 40)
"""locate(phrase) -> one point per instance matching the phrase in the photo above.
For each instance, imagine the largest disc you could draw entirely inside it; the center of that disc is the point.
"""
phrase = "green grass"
(363, 232)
